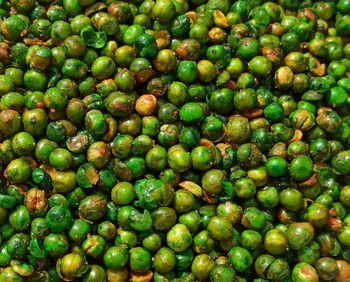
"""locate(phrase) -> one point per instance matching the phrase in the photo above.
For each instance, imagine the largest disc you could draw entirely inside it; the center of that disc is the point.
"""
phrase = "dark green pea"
(183, 259)
(201, 158)
(247, 48)
(189, 137)
(56, 245)
(39, 228)
(5, 258)
(336, 96)
(34, 100)
(274, 112)
(253, 218)
(168, 135)
(79, 230)
(136, 166)
(301, 168)
(60, 30)
(240, 259)
(17, 245)
(74, 68)
(319, 150)
(95, 273)
(111, 212)
(250, 239)
(222, 100)
(6, 231)
(58, 56)
(309, 254)
(249, 155)
(187, 71)
(262, 138)
(58, 218)
(75, 196)
(20, 219)
(197, 92)
(95, 122)
(7, 201)
(191, 113)
(44, 148)
(35, 80)
(89, 56)
(141, 145)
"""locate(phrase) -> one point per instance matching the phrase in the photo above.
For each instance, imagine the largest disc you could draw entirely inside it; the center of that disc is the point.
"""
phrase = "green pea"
(79, 230)
(301, 168)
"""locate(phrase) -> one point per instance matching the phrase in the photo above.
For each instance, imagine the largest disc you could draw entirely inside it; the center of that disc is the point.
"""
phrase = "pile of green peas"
(174, 140)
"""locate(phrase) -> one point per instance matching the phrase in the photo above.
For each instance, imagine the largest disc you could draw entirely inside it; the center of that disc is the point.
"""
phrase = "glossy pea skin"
(240, 259)
(301, 168)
